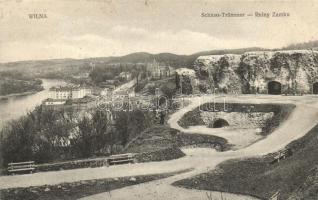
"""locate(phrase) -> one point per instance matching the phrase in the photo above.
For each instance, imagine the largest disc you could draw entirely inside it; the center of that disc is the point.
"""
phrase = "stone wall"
(238, 119)
(251, 72)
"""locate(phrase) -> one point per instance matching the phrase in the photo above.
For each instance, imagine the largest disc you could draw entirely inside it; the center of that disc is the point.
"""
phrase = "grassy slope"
(160, 137)
(295, 176)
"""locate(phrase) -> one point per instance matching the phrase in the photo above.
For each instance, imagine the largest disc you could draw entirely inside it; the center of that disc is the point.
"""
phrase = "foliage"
(35, 136)
(110, 72)
(186, 85)
(168, 89)
(131, 124)
(191, 118)
(99, 75)
(47, 135)
(140, 86)
(16, 82)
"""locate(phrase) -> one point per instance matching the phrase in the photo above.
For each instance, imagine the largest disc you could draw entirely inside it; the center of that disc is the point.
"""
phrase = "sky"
(100, 28)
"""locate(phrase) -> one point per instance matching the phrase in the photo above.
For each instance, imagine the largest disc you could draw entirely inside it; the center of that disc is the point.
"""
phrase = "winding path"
(303, 118)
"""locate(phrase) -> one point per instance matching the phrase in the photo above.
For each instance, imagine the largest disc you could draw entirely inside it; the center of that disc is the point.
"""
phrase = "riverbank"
(5, 97)
(15, 105)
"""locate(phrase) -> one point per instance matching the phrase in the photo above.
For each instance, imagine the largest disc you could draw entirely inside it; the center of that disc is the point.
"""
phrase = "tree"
(121, 125)
(177, 81)
(186, 85)
(17, 144)
(94, 134)
(83, 142)
(169, 89)
(130, 124)
(41, 135)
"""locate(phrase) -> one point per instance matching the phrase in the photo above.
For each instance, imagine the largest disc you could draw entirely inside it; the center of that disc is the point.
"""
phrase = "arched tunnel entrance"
(315, 88)
(274, 87)
(219, 123)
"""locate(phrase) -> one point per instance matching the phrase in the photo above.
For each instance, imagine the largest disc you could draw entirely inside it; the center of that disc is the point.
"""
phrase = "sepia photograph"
(158, 100)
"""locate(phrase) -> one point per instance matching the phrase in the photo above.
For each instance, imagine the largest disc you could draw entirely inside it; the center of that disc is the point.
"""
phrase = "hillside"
(12, 83)
(296, 176)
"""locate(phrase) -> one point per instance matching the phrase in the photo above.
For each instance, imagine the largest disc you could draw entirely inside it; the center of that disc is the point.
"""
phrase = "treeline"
(47, 135)
(305, 45)
(107, 72)
(16, 82)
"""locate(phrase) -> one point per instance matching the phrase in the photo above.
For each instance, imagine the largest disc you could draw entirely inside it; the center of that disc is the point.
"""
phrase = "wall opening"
(315, 88)
(219, 123)
(274, 87)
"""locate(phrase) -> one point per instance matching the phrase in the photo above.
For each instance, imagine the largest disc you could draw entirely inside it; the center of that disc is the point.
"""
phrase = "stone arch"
(315, 88)
(274, 87)
(219, 123)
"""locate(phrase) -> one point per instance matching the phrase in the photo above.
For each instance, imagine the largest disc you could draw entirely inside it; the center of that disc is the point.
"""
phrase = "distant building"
(77, 104)
(158, 70)
(50, 101)
(125, 76)
(108, 90)
(69, 92)
(121, 94)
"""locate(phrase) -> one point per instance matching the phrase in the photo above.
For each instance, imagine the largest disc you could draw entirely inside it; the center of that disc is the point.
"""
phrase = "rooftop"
(67, 88)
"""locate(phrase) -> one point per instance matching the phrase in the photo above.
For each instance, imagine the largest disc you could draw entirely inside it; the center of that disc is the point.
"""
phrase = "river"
(17, 106)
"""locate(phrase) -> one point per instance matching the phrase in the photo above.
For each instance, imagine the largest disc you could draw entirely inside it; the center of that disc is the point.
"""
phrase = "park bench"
(21, 167)
(282, 154)
(275, 196)
(121, 159)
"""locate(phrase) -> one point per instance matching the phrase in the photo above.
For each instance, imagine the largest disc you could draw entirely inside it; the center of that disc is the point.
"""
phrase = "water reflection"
(16, 106)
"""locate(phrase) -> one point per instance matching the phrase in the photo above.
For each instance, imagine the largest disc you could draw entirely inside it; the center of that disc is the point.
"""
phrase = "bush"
(191, 118)
(160, 155)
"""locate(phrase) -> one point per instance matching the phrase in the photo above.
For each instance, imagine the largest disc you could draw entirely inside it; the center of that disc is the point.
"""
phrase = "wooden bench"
(275, 196)
(121, 159)
(282, 154)
(21, 166)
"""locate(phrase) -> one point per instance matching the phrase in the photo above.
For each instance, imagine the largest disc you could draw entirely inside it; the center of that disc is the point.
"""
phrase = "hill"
(171, 59)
